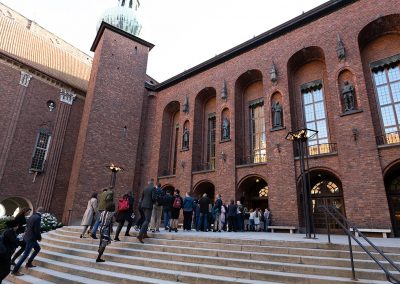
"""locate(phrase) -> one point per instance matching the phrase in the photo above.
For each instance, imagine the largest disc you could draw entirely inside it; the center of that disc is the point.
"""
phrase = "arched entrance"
(204, 187)
(392, 185)
(168, 187)
(326, 189)
(12, 205)
(253, 192)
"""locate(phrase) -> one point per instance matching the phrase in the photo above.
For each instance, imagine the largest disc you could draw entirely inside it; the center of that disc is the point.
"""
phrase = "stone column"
(57, 142)
(20, 97)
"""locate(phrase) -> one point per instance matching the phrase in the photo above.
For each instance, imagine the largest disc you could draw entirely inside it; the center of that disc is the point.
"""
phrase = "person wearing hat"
(10, 242)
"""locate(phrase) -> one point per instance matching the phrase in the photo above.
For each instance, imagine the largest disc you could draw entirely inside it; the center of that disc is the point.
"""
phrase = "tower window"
(40, 151)
(258, 145)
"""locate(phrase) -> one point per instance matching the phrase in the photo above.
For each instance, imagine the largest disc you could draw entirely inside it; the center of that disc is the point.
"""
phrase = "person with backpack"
(187, 212)
(101, 208)
(167, 209)
(157, 209)
(176, 208)
(8, 244)
(32, 236)
(146, 201)
(124, 213)
(204, 203)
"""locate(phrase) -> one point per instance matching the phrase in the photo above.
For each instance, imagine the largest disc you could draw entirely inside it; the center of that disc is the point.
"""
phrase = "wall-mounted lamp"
(278, 147)
(223, 156)
(355, 132)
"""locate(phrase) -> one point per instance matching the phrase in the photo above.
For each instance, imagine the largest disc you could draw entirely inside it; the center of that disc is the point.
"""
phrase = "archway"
(326, 189)
(204, 187)
(392, 185)
(168, 187)
(253, 192)
(12, 205)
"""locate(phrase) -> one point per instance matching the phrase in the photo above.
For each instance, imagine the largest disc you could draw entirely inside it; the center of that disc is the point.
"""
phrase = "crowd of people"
(156, 205)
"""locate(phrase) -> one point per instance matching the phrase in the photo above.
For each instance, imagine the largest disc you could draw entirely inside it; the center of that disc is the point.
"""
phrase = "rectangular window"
(175, 150)
(211, 141)
(258, 145)
(315, 119)
(40, 151)
(387, 88)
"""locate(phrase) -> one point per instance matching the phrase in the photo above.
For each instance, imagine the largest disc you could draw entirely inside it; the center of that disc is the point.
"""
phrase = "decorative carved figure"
(185, 107)
(25, 79)
(185, 144)
(273, 73)
(340, 49)
(348, 96)
(225, 128)
(277, 115)
(224, 92)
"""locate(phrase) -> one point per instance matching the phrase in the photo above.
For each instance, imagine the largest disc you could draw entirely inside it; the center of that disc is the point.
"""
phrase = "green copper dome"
(124, 17)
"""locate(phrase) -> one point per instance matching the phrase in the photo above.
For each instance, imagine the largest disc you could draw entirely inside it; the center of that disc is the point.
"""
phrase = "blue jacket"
(188, 204)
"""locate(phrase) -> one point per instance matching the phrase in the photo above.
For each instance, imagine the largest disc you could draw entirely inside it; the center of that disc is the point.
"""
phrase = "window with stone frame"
(211, 141)
(40, 152)
(258, 145)
(315, 117)
(387, 89)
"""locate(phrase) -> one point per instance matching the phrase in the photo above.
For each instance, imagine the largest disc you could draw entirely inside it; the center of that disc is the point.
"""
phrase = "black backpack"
(3, 248)
(159, 196)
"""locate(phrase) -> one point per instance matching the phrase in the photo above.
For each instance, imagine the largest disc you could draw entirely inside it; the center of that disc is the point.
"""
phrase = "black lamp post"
(300, 137)
(114, 170)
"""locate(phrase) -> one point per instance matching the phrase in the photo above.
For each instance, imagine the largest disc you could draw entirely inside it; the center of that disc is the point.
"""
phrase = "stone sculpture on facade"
(225, 129)
(348, 96)
(277, 115)
(185, 143)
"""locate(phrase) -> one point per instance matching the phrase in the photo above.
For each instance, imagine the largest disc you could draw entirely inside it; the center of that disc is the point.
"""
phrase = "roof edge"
(105, 25)
(295, 23)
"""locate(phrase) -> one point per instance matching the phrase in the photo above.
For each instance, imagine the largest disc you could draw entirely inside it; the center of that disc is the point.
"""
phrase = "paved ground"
(320, 238)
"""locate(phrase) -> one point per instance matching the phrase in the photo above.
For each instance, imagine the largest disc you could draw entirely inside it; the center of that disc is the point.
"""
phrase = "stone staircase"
(197, 258)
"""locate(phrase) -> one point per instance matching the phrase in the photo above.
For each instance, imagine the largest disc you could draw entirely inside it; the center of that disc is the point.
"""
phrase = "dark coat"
(21, 220)
(175, 211)
(10, 241)
(204, 204)
(126, 215)
(32, 232)
(168, 201)
(147, 196)
(232, 210)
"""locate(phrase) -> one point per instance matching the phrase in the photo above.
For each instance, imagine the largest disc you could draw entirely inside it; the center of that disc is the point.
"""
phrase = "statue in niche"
(185, 144)
(225, 128)
(277, 115)
(348, 96)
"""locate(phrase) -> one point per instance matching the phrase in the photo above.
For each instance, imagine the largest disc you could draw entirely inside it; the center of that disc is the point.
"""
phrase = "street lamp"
(300, 137)
(114, 170)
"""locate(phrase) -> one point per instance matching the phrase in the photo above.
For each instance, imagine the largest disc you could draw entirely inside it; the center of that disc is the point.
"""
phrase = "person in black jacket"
(232, 211)
(123, 216)
(21, 221)
(167, 208)
(176, 207)
(32, 237)
(10, 242)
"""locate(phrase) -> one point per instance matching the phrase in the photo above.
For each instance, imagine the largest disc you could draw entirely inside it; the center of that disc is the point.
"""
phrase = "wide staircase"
(197, 258)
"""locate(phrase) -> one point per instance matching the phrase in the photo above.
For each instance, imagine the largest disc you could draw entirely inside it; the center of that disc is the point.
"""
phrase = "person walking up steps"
(32, 237)
(106, 221)
(90, 214)
(124, 213)
(157, 209)
(101, 208)
(167, 208)
(21, 221)
(9, 241)
(147, 205)
(176, 208)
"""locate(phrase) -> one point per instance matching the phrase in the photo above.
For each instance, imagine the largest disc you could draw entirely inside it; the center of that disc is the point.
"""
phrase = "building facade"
(220, 127)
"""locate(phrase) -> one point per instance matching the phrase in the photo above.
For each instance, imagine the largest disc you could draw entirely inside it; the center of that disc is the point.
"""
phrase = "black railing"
(208, 166)
(347, 227)
(252, 159)
(388, 138)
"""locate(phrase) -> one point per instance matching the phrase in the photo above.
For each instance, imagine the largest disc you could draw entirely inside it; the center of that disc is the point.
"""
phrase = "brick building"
(218, 127)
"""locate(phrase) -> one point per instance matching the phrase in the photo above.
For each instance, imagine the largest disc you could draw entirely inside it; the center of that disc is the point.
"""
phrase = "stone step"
(218, 238)
(236, 259)
(221, 269)
(234, 250)
(124, 273)
(25, 279)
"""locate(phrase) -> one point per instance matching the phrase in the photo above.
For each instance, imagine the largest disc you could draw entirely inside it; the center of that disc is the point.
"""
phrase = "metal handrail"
(346, 225)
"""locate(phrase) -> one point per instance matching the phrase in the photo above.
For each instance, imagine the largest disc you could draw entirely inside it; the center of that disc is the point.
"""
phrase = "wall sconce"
(355, 132)
(278, 147)
(223, 156)
(51, 105)
(183, 164)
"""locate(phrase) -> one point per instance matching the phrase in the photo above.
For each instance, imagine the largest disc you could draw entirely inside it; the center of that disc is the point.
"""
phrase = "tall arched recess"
(250, 134)
(309, 96)
(380, 53)
(169, 140)
(204, 130)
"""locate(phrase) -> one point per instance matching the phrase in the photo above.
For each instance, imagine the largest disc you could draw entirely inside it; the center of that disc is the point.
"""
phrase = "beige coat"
(88, 216)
